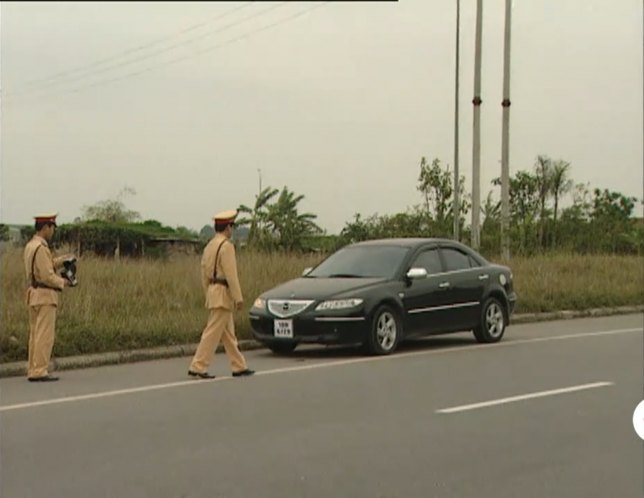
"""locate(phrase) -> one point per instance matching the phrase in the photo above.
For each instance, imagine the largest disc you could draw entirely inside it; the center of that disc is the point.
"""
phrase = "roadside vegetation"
(572, 247)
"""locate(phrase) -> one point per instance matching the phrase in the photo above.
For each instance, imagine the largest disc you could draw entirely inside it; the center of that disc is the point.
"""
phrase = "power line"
(138, 48)
(189, 56)
(89, 71)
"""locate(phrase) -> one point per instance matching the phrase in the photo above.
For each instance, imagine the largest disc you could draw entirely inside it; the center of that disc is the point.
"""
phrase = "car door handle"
(484, 277)
(444, 285)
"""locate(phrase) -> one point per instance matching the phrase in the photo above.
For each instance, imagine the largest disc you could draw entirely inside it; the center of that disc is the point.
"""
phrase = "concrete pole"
(476, 146)
(505, 139)
(455, 206)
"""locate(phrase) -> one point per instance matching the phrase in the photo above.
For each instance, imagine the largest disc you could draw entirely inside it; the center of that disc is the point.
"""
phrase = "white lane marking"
(323, 364)
(521, 397)
(106, 394)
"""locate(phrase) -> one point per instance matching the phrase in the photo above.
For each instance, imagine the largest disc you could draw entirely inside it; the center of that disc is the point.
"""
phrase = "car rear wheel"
(282, 347)
(492, 322)
(385, 332)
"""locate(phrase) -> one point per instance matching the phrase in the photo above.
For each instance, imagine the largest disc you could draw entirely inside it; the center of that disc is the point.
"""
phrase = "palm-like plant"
(543, 170)
(278, 223)
(560, 182)
(258, 216)
(287, 224)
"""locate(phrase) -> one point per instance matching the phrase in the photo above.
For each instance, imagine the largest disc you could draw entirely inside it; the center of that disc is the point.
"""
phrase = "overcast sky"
(338, 104)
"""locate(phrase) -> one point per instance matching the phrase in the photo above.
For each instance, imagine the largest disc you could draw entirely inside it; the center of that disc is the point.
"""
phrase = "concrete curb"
(118, 357)
(569, 314)
(19, 368)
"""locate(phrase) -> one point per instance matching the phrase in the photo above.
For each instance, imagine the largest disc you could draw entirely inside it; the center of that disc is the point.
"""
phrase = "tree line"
(549, 211)
(593, 221)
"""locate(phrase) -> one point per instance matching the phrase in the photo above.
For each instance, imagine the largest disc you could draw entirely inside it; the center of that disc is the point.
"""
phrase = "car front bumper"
(311, 328)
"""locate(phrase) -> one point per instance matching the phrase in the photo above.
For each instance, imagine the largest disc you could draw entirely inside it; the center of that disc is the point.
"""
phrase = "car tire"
(282, 347)
(385, 332)
(492, 321)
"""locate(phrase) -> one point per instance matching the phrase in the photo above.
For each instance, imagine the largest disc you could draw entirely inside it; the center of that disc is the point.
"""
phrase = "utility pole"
(476, 146)
(505, 145)
(455, 206)
(259, 172)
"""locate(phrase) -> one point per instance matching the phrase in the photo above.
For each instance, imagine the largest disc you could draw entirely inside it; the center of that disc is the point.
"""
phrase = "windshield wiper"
(344, 275)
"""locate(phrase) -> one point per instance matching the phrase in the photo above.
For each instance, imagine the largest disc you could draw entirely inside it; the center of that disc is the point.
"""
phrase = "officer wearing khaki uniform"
(220, 282)
(42, 297)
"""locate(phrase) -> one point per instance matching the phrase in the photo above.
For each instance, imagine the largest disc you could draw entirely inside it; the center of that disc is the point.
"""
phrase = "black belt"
(221, 281)
(38, 285)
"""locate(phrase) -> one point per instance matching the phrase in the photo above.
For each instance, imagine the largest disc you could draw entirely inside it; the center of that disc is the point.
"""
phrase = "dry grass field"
(131, 304)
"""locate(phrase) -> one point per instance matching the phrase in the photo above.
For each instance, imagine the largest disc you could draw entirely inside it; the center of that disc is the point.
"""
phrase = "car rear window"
(455, 259)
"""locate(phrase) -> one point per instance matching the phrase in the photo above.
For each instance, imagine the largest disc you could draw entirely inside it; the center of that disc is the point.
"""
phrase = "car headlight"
(338, 304)
(259, 303)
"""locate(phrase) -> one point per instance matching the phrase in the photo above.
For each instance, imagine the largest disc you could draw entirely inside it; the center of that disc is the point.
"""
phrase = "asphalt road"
(545, 413)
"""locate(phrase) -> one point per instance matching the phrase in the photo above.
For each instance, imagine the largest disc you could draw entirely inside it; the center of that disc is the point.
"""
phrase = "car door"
(425, 299)
(466, 286)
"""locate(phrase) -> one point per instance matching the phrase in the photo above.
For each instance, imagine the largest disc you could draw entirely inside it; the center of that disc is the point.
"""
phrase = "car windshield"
(362, 262)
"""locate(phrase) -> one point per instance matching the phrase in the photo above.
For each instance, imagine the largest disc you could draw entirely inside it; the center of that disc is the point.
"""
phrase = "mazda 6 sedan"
(380, 292)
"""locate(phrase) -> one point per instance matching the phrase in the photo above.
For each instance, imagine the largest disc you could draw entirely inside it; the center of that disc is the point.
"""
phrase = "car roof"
(414, 242)
(403, 241)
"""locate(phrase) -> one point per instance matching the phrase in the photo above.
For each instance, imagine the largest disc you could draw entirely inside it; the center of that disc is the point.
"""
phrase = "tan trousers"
(42, 324)
(220, 327)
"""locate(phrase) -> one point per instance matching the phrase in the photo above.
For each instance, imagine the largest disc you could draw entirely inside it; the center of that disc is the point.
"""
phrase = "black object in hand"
(69, 271)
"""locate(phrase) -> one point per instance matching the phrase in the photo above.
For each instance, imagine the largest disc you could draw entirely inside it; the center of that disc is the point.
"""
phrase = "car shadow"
(308, 352)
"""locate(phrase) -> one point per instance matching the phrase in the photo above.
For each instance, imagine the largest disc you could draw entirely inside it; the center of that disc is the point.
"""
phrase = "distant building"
(15, 233)
(240, 235)
(174, 245)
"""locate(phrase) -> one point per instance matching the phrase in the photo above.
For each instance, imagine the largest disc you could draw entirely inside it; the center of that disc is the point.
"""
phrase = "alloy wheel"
(386, 331)
(494, 320)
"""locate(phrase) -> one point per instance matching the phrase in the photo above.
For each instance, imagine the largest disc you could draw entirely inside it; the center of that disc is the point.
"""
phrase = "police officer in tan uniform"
(42, 297)
(220, 282)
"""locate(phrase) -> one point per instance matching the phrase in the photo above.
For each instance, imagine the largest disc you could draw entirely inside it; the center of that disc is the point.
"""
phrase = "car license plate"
(283, 328)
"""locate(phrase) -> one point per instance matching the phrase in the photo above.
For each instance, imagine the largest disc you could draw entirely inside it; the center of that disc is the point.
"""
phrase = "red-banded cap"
(46, 218)
(225, 217)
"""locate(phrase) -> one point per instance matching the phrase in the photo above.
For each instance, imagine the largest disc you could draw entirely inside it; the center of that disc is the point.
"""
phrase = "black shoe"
(204, 375)
(244, 373)
(46, 378)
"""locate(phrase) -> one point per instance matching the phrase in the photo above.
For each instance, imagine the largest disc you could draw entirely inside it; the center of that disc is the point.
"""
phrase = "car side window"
(473, 262)
(430, 260)
(455, 259)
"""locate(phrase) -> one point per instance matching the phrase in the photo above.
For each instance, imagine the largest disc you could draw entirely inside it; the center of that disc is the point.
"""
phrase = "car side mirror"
(417, 273)
(306, 271)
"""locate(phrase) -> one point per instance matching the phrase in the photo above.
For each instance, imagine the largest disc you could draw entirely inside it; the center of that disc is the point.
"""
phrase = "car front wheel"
(385, 332)
(492, 322)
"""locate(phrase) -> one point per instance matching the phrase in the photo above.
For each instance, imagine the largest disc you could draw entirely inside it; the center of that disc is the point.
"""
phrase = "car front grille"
(284, 308)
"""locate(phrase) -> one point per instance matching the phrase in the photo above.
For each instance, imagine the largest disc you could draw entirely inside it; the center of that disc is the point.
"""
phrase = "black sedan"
(379, 292)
